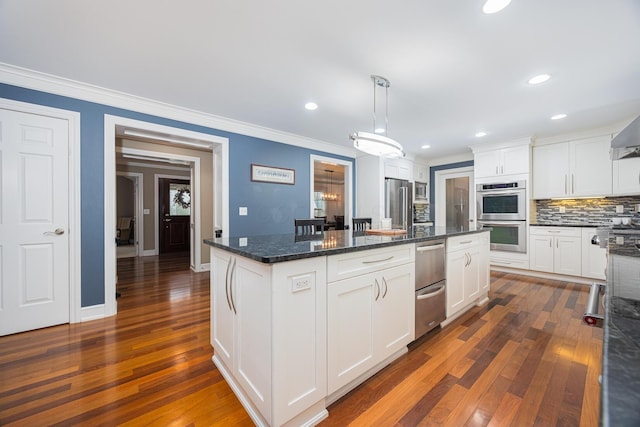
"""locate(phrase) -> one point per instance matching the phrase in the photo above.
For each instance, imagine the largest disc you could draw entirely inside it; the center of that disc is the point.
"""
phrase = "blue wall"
(272, 207)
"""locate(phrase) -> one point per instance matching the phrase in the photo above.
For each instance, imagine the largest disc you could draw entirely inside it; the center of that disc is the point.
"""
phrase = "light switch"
(146, 211)
(242, 241)
(243, 211)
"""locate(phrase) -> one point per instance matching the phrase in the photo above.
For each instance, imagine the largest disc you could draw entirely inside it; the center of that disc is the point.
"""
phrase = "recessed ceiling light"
(493, 6)
(311, 106)
(558, 116)
(481, 134)
(379, 130)
(540, 78)
(425, 146)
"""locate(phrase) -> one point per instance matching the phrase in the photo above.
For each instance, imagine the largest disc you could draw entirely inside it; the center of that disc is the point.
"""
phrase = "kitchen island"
(621, 350)
(299, 321)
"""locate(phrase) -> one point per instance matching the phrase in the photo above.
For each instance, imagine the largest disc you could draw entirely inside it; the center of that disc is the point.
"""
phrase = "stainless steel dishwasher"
(430, 286)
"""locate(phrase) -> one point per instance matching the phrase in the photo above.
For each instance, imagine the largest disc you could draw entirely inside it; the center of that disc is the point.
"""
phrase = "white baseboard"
(149, 252)
(92, 312)
(205, 267)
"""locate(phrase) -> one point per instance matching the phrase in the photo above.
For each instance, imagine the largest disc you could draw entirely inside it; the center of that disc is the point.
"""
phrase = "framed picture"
(261, 173)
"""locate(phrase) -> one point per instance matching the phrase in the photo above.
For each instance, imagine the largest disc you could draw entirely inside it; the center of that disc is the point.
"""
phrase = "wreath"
(182, 198)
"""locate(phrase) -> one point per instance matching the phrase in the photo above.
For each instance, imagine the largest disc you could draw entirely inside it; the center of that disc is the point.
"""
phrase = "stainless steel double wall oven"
(503, 207)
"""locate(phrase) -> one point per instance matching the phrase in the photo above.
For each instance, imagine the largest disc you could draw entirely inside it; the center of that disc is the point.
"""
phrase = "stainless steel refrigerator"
(398, 203)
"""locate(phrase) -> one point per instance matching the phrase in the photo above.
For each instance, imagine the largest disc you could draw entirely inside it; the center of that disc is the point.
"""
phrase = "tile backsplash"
(584, 211)
(421, 212)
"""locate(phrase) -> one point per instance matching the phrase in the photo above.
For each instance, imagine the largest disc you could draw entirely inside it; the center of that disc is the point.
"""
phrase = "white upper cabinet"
(420, 172)
(497, 162)
(398, 168)
(580, 168)
(626, 176)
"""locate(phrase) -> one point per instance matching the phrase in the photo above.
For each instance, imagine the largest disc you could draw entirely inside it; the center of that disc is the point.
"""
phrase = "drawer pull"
(377, 260)
(430, 248)
(466, 242)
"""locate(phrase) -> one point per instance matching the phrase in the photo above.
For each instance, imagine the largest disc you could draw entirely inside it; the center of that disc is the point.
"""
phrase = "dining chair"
(309, 226)
(360, 224)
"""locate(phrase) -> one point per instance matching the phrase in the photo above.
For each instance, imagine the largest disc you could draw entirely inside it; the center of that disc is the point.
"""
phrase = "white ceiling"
(453, 70)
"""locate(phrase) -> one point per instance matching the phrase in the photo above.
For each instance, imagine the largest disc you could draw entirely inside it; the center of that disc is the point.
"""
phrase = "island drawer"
(353, 264)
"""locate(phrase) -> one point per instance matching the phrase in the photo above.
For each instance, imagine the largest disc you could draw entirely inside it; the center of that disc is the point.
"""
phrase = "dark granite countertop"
(620, 404)
(274, 248)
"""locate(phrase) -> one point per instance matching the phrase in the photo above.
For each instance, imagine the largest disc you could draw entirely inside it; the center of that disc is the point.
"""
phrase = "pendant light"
(330, 196)
(378, 143)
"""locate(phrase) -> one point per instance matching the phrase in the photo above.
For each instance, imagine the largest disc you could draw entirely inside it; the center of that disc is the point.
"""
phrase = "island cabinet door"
(222, 317)
(395, 310)
(250, 294)
(456, 265)
(350, 328)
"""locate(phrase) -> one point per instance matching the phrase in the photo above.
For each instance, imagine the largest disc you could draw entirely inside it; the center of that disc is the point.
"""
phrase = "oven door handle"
(514, 223)
(430, 247)
(431, 292)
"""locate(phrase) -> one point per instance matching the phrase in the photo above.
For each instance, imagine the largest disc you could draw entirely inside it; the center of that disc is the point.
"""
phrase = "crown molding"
(30, 79)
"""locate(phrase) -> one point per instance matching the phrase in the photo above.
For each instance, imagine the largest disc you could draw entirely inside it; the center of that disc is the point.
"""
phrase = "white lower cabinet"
(556, 250)
(370, 317)
(268, 331)
(467, 271)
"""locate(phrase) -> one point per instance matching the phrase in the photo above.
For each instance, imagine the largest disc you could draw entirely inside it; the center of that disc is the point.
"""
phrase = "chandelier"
(330, 196)
(378, 143)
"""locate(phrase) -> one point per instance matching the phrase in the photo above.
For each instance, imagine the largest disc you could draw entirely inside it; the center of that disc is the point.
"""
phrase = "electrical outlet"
(301, 283)
(242, 241)
(243, 211)
(619, 208)
(562, 209)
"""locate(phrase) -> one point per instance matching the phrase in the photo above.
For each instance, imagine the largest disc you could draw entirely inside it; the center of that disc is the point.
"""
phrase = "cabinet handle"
(573, 186)
(378, 260)
(496, 170)
(386, 288)
(233, 271)
(466, 242)
(377, 289)
(430, 248)
(226, 284)
(557, 243)
(550, 243)
(565, 184)
(501, 169)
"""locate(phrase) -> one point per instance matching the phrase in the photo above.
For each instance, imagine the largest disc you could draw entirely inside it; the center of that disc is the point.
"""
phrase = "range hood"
(627, 143)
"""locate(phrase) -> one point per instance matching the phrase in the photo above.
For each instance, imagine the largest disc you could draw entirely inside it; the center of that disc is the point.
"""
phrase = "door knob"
(57, 231)
(167, 219)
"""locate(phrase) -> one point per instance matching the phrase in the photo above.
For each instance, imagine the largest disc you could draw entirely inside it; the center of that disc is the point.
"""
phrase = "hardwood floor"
(523, 359)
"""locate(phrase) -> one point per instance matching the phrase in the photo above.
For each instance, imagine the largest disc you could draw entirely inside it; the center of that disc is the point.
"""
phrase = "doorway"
(220, 199)
(174, 208)
(130, 221)
(331, 189)
(455, 201)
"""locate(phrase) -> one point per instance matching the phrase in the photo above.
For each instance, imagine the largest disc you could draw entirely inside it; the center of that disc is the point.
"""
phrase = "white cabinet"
(398, 168)
(370, 313)
(579, 168)
(556, 250)
(626, 176)
(467, 271)
(594, 258)
(420, 172)
(268, 331)
(240, 336)
(504, 161)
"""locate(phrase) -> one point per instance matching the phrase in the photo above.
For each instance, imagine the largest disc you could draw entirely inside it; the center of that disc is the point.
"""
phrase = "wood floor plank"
(525, 358)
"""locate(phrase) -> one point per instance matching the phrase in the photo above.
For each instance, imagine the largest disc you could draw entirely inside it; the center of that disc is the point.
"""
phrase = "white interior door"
(34, 221)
